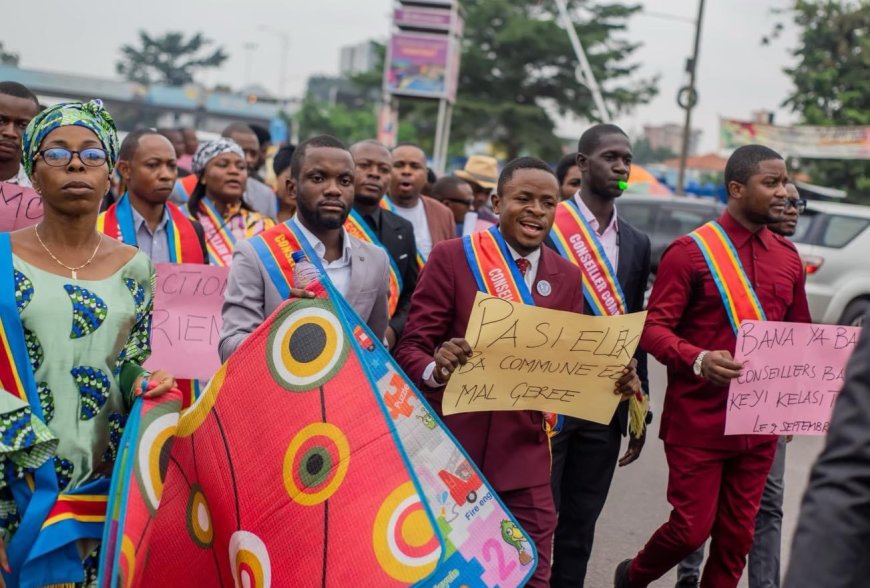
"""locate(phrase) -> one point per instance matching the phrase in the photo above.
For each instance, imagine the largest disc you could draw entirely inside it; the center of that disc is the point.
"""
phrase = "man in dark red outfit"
(511, 448)
(715, 482)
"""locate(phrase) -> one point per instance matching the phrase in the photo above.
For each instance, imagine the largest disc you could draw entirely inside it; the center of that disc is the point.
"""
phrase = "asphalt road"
(636, 505)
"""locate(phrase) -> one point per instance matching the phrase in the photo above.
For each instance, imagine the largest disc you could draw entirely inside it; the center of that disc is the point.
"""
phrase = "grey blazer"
(251, 296)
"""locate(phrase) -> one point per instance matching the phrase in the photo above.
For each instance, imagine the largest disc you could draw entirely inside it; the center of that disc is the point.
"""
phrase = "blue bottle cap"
(299, 256)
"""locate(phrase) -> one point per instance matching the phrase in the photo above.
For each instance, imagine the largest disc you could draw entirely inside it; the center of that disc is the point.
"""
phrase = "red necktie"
(524, 265)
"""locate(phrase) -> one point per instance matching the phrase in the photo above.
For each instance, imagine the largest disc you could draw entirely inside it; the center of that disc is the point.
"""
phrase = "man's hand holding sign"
(519, 357)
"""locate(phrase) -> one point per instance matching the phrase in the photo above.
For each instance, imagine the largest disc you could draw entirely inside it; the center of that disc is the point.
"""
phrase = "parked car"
(834, 242)
(664, 218)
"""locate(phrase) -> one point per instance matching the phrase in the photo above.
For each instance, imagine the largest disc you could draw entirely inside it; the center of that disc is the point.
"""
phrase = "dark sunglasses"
(797, 203)
(460, 201)
(59, 156)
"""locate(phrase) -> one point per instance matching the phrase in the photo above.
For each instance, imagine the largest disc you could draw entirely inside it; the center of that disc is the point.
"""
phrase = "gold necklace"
(73, 270)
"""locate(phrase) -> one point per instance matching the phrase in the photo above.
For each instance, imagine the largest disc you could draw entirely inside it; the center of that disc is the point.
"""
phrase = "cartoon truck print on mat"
(461, 480)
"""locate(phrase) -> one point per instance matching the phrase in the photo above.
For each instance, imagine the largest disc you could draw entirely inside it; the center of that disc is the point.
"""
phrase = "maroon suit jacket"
(441, 223)
(510, 447)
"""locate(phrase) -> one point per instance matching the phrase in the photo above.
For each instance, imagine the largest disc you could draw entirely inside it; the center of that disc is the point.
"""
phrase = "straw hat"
(480, 169)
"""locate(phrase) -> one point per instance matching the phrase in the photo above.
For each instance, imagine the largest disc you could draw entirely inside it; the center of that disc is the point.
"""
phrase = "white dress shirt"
(609, 238)
(417, 217)
(21, 178)
(338, 270)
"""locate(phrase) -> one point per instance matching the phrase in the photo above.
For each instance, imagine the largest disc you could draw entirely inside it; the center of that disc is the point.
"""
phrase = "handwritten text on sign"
(530, 358)
(186, 326)
(19, 207)
(792, 375)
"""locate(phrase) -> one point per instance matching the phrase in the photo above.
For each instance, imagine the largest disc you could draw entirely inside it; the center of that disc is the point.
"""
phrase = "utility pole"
(687, 98)
(584, 74)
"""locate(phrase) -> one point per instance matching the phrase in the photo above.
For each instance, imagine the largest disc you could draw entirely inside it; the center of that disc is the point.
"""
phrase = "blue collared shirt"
(155, 245)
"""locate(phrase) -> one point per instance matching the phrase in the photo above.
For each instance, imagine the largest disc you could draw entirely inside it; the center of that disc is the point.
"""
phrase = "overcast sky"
(736, 73)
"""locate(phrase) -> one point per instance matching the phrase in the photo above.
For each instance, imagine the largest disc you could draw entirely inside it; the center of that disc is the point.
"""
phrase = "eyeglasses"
(460, 201)
(58, 156)
(797, 203)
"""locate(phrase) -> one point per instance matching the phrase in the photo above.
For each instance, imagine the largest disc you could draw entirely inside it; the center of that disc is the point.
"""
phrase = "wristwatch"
(699, 361)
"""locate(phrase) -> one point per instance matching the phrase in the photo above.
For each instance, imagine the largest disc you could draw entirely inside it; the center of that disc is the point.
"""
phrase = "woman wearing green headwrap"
(75, 308)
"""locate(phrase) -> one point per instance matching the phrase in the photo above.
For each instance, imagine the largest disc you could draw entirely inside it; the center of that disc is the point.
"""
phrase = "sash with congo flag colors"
(43, 548)
(219, 239)
(349, 479)
(576, 241)
(494, 268)
(387, 204)
(738, 296)
(275, 249)
(359, 228)
(184, 246)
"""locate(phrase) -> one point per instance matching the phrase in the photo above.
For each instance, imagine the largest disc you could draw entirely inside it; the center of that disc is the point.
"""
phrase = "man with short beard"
(395, 235)
(322, 174)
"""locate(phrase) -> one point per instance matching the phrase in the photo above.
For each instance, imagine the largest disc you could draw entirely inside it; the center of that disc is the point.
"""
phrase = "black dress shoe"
(688, 582)
(620, 578)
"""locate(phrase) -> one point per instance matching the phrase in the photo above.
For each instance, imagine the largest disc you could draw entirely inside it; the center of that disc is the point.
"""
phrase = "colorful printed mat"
(310, 460)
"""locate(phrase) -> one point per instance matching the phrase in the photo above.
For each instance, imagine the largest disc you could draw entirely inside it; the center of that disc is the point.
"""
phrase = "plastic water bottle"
(305, 273)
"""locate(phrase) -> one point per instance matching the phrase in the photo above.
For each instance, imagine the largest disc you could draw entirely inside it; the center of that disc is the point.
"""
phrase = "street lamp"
(249, 54)
(687, 98)
(285, 51)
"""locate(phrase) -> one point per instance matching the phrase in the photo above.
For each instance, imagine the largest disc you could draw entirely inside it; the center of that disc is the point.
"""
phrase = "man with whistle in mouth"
(511, 448)
(614, 259)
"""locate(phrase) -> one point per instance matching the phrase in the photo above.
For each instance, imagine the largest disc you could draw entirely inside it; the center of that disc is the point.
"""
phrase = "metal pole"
(588, 76)
(285, 50)
(437, 163)
(690, 104)
(445, 140)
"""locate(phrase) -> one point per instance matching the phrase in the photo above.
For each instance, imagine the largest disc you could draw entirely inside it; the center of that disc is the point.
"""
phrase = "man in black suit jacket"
(833, 531)
(585, 453)
(374, 168)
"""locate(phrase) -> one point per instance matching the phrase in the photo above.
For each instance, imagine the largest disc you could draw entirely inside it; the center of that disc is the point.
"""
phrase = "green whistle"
(623, 185)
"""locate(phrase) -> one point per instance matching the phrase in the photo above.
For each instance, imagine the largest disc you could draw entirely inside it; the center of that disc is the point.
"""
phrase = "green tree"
(831, 85)
(169, 59)
(518, 67)
(8, 57)
(348, 124)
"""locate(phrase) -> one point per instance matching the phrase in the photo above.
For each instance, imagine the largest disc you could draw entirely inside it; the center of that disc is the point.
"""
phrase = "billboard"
(809, 142)
(421, 65)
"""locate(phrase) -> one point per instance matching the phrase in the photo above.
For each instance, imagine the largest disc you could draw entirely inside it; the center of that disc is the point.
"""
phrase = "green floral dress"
(87, 340)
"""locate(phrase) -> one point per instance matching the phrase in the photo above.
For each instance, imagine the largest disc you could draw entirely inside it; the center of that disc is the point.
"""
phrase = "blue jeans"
(764, 558)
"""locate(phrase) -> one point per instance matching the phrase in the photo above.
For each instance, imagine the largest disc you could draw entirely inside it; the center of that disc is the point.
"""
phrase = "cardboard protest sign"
(792, 375)
(19, 207)
(186, 325)
(530, 358)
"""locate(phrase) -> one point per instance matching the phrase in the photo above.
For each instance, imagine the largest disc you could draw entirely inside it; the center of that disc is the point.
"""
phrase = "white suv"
(834, 244)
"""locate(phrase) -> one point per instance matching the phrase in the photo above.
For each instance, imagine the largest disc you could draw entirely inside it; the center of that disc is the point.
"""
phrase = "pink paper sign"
(186, 324)
(792, 375)
(19, 207)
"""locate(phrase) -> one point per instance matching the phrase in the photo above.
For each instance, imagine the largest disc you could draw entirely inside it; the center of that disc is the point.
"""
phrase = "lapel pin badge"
(544, 288)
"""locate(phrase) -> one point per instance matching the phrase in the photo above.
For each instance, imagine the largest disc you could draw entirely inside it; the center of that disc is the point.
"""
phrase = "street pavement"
(636, 505)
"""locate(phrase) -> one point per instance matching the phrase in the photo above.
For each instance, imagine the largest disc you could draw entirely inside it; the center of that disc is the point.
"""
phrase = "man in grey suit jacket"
(322, 173)
(833, 534)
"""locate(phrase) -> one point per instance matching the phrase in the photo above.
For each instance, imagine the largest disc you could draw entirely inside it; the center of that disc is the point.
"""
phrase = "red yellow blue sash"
(184, 247)
(275, 249)
(494, 268)
(357, 226)
(576, 241)
(219, 239)
(43, 548)
(387, 204)
(185, 186)
(738, 295)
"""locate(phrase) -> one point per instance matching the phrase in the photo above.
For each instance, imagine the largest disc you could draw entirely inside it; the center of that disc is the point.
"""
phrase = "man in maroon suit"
(511, 448)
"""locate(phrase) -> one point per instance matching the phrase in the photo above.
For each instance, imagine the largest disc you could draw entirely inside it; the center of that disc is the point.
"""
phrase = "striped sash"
(577, 242)
(494, 268)
(738, 296)
(359, 228)
(184, 247)
(219, 239)
(275, 249)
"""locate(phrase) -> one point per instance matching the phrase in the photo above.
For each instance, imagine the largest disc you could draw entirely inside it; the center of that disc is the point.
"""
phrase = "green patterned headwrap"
(90, 115)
